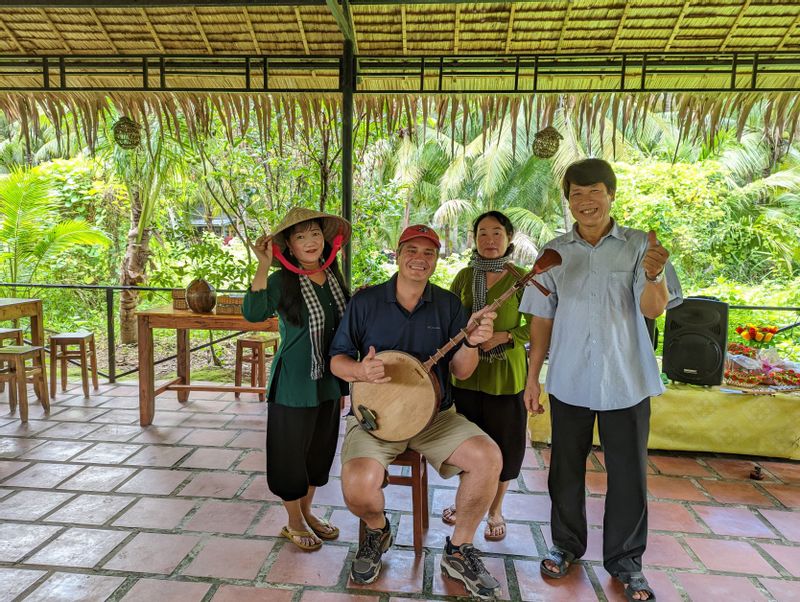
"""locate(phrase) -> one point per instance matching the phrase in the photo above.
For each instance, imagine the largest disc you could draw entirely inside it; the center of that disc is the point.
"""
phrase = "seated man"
(409, 314)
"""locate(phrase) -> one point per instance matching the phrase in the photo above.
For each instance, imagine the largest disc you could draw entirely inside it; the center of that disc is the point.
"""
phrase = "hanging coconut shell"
(127, 133)
(200, 296)
(546, 141)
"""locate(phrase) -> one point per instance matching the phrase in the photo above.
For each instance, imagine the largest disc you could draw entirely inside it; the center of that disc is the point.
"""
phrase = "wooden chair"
(257, 345)
(9, 334)
(419, 494)
(18, 373)
(60, 352)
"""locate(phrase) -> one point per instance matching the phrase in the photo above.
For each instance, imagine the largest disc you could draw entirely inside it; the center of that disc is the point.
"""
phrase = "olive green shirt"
(290, 381)
(500, 377)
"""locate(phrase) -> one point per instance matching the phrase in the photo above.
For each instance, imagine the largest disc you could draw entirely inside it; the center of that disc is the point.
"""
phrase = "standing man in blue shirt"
(601, 367)
(409, 314)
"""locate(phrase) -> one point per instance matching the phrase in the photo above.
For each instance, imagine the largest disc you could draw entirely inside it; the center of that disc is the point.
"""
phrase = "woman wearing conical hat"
(309, 295)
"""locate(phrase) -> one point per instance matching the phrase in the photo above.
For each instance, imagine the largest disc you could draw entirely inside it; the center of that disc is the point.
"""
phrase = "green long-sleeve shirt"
(498, 377)
(290, 381)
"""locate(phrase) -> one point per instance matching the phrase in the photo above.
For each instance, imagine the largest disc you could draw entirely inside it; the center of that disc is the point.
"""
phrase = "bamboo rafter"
(53, 27)
(509, 33)
(251, 29)
(202, 31)
(11, 35)
(152, 29)
(676, 28)
(564, 25)
(738, 20)
(789, 31)
(302, 29)
(103, 29)
(621, 25)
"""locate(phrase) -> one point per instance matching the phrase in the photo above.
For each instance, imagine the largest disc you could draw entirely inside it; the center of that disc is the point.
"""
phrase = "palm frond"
(453, 210)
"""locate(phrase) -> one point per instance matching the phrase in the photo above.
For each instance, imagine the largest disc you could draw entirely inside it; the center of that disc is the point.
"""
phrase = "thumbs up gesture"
(372, 369)
(655, 257)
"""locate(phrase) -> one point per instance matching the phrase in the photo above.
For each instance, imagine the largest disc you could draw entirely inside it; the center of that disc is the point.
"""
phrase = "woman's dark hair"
(589, 171)
(291, 301)
(500, 217)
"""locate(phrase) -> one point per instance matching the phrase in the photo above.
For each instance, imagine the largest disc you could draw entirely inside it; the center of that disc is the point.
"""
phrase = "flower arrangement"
(757, 336)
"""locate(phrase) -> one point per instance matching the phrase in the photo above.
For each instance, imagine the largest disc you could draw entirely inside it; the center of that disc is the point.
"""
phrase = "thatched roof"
(593, 34)
(393, 28)
(707, 58)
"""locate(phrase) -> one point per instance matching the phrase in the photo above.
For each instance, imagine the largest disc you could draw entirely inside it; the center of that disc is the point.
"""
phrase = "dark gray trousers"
(623, 437)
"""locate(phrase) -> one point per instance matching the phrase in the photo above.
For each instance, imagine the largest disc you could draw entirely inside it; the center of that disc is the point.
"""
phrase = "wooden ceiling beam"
(621, 25)
(251, 29)
(732, 30)
(458, 29)
(152, 29)
(564, 27)
(341, 14)
(677, 25)
(202, 31)
(103, 29)
(789, 32)
(403, 23)
(302, 29)
(52, 25)
(11, 35)
(510, 32)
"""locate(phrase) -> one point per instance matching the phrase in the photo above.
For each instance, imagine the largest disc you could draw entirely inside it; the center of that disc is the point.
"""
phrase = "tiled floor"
(93, 507)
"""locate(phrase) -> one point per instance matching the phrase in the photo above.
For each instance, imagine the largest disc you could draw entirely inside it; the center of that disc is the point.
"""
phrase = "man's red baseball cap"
(420, 231)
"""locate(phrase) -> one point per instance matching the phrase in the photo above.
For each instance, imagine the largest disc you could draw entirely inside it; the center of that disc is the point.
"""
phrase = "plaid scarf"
(316, 318)
(479, 267)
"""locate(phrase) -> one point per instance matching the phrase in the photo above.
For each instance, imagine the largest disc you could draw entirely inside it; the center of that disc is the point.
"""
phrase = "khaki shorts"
(437, 442)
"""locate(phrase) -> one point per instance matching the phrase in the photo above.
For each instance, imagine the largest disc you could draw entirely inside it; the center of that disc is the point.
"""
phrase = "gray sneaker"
(464, 564)
(367, 564)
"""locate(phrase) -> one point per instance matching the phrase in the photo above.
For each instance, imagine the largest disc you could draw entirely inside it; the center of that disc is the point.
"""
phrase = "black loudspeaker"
(695, 341)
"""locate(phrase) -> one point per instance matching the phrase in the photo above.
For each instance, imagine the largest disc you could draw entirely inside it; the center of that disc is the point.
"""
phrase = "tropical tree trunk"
(407, 212)
(132, 272)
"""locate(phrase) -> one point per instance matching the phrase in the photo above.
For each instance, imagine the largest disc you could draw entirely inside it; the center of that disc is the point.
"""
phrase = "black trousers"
(301, 444)
(623, 436)
(503, 418)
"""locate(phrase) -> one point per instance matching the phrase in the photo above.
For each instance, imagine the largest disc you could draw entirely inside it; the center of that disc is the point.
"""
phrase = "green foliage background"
(728, 213)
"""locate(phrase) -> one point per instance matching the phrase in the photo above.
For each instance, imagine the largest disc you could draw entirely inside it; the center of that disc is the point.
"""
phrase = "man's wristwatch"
(470, 345)
(657, 279)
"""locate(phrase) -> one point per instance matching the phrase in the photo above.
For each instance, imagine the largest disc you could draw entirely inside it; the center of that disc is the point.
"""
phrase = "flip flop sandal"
(636, 582)
(561, 558)
(491, 526)
(296, 538)
(449, 515)
(329, 534)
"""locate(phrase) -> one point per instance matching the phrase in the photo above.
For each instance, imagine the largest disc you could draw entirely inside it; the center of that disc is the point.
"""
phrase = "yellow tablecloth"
(692, 418)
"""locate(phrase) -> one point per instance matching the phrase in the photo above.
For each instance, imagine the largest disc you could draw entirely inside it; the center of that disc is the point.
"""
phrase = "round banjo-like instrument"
(403, 407)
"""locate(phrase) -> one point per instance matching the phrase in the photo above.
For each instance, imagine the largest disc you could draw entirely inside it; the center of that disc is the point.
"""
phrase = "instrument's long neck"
(464, 332)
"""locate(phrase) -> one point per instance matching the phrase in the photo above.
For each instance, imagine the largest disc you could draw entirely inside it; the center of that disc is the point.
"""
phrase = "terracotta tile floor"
(93, 507)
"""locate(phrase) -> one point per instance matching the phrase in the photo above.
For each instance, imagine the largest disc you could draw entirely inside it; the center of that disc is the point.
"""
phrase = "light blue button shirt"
(601, 356)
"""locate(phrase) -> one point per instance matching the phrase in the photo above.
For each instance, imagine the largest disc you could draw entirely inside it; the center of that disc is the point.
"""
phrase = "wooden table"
(13, 309)
(182, 321)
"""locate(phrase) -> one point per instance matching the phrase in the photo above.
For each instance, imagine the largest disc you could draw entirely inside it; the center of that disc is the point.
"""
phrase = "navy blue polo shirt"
(375, 318)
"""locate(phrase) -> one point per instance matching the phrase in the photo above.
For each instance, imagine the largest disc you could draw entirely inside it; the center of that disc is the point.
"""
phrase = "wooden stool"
(60, 351)
(257, 359)
(419, 494)
(18, 373)
(9, 334)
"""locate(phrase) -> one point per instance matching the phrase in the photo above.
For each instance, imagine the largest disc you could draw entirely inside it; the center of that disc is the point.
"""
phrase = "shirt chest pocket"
(620, 288)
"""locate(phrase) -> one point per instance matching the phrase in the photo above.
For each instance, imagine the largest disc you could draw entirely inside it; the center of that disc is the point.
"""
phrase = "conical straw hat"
(331, 226)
